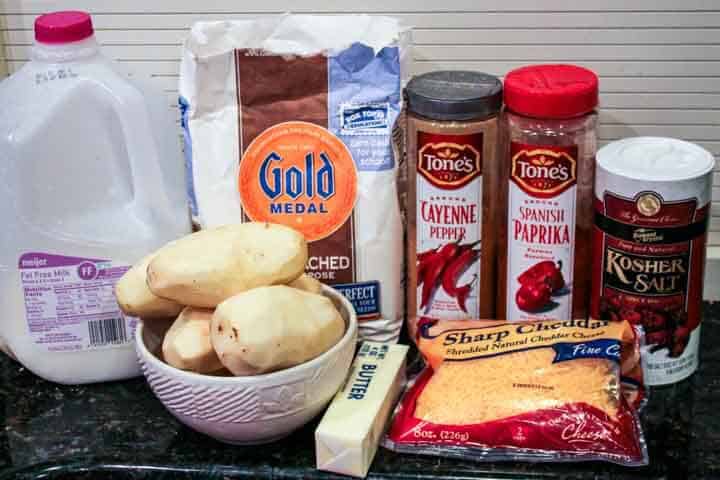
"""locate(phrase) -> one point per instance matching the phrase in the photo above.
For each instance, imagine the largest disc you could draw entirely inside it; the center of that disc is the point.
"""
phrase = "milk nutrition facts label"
(70, 303)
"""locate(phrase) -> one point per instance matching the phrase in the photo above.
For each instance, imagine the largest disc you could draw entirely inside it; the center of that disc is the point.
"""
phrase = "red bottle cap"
(63, 27)
(551, 91)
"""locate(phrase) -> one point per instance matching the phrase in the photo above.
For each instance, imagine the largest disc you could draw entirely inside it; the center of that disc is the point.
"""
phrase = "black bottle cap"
(455, 95)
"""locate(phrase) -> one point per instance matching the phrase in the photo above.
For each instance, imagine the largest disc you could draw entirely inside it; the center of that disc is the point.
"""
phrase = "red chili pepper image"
(464, 291)
(452, 273)
(544, 272)
(444, 266)
(466, 257)
(533, 297)
(424, 260)
(431, 273)
(421, 270)
(423, 256)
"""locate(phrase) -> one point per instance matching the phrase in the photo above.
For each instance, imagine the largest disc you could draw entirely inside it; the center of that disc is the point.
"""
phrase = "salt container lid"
(455, 95)
(657, 159)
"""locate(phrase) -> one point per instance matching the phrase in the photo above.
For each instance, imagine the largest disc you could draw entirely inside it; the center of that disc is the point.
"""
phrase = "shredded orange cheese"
(492, 388)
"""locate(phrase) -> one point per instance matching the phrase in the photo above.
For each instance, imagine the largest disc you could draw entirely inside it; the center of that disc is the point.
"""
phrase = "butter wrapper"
(348, 435)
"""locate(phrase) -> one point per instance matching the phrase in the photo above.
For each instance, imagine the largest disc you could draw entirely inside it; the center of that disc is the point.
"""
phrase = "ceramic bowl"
(255, 409)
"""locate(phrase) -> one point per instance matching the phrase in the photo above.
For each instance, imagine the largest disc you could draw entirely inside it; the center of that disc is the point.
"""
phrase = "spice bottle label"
(648, 268)
(70, 303)
(448, 218)
(541, 231)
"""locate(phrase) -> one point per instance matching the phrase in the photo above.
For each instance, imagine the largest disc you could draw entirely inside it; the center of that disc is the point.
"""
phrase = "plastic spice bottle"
(547, 171)
(452, 177)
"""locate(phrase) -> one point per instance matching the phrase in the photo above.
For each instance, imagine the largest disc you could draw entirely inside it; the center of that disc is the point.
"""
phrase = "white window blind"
(659, 60)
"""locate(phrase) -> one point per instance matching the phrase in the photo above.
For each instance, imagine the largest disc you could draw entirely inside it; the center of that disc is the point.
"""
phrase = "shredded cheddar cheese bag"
(535, 391)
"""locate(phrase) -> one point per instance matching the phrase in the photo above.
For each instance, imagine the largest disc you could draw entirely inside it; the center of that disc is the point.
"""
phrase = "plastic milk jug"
(91, 180)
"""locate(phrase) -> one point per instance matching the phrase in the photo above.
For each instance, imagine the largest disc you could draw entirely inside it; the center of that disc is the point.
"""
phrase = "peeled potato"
(209, 266)
(136, 299)
(187, 343)
(271, 328)
(307, 283)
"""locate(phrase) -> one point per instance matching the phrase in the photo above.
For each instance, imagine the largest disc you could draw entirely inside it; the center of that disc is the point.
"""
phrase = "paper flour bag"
(290, 119)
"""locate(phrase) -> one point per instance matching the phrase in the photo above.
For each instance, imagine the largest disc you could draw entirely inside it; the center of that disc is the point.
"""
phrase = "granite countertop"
(120, 431)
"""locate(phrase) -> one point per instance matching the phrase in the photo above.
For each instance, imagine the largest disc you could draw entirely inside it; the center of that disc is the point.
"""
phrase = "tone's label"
(449, 224)
(541, 231)
(649, 256)
(70, 303)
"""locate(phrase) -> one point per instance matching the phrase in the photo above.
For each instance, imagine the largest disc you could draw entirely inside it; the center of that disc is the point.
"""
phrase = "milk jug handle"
(143, 153)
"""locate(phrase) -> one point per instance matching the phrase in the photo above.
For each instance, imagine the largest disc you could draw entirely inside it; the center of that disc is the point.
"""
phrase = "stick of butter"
(348, 435)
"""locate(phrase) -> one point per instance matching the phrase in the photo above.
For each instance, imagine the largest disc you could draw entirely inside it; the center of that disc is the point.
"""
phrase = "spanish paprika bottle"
(547, 172)
(452, 138)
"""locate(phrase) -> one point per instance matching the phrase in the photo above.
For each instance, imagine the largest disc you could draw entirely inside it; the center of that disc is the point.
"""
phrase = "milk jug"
(91, 179)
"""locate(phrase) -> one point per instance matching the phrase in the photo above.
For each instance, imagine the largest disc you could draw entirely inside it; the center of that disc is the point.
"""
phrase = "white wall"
(659, 60)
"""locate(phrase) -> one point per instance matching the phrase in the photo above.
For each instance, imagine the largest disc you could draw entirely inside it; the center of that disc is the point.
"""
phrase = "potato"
(136, 299)
(187, 343)
(209, 266)
(271, 328)
(307, 283)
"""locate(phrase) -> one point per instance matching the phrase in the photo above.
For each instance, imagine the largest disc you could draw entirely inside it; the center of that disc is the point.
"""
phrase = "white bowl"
(255, 409)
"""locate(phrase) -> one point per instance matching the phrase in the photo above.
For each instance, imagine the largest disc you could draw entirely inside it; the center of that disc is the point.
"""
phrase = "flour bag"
(291, 120)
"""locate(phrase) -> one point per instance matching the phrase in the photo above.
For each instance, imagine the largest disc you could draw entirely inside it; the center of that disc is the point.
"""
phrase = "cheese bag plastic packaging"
(293, 119)
(544, 391)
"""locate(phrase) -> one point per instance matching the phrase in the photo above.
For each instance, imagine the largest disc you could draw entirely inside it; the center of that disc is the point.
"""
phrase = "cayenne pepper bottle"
(452, 177)
(547, 171)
